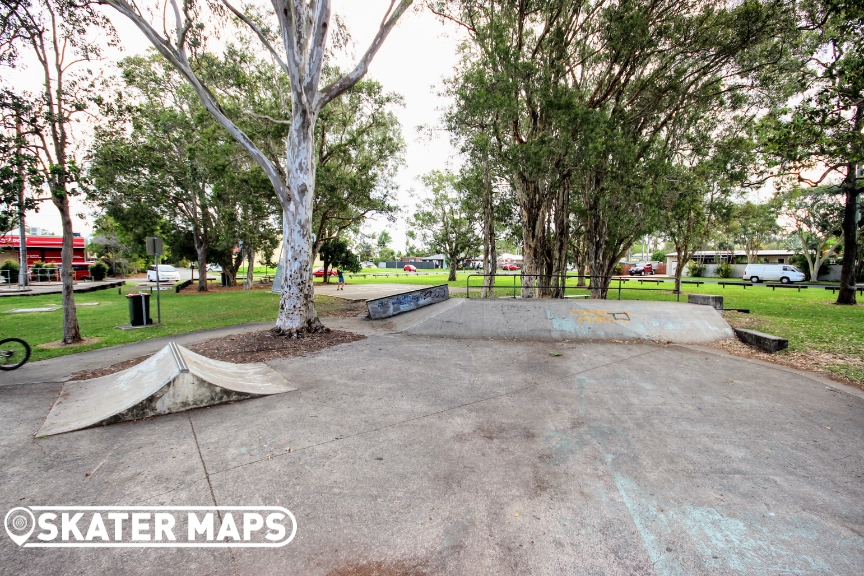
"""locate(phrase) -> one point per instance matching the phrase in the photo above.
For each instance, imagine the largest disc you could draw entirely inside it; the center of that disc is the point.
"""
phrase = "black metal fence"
(560, 285)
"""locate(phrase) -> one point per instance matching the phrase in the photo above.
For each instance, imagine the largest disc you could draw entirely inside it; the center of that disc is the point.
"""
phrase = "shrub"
(37, 264)
(696, 270)
(11, 270)
(98, 270)
(724, 270)
(617, 271)
(658, 256)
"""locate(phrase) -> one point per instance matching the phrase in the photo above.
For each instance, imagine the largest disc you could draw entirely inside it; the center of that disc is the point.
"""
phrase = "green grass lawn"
(183, 312)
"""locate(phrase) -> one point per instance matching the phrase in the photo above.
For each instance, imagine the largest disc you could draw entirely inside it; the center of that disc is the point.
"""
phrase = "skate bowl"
(557, 320)
(172, 380)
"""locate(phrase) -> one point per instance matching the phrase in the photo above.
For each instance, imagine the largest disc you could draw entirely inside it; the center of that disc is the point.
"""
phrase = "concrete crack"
(210, 485)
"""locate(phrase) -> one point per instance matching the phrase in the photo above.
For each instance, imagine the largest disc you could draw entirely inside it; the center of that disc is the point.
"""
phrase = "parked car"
(319, 272)
(214, 267)
(409, 268)
(510, 267)
(166, 273)
(81, 270)
(642, 269)
(783, 272)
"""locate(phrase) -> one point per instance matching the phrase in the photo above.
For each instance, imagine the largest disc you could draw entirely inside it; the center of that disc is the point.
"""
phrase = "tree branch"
(179, 62)
(260, 35)
(350, 79)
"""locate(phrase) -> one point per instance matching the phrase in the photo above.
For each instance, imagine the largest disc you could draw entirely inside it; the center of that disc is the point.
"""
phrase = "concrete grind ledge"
(706, 300)
(763, 341)
(555, 320)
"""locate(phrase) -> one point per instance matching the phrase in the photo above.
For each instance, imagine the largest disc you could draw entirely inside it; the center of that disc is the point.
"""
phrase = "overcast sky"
(419, 52)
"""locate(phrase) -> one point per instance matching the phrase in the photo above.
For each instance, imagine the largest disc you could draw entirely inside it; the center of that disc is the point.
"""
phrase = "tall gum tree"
(59, 36)
(303, 27)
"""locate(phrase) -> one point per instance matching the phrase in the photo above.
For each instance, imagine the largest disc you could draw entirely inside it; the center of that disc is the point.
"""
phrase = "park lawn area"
(185, 312)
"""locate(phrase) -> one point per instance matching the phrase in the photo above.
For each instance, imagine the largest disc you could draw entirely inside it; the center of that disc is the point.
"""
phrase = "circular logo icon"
(20, 523)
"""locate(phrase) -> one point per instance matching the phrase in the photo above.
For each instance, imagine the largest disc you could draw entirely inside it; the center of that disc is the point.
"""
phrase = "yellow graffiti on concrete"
(600, 316)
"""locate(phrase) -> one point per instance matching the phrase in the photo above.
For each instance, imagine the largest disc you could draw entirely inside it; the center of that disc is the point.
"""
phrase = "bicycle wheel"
(14, 352)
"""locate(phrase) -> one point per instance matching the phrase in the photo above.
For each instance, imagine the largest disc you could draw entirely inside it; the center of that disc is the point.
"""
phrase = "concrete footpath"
(421, 455)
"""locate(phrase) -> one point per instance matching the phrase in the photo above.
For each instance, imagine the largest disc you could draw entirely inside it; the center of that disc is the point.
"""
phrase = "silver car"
(166, 274)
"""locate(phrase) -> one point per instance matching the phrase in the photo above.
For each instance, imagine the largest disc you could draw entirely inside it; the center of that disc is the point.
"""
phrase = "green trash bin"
(139, 309)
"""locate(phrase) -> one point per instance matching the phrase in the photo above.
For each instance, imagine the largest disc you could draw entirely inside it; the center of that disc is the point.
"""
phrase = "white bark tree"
(303, 27)
(816, 217)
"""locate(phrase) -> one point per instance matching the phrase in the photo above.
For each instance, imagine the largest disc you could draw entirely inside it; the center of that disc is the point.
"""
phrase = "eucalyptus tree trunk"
(851, 213)
(201, 247)
(562, 239)
(490, 254)
(533, 237)
(250, 270)
(202, 268)
(297, 305)
(71, 332)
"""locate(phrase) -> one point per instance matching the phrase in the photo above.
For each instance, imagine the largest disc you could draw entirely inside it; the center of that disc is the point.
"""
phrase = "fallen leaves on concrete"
(812, 360)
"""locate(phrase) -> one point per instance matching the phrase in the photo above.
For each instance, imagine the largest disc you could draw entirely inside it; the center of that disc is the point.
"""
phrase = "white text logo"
(150, 526)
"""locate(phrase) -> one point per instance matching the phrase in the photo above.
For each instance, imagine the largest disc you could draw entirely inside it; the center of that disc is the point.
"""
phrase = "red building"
(44, 248)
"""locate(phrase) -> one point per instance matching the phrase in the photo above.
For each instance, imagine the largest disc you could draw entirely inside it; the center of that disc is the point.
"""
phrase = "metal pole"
(22, 232)
(158, 300)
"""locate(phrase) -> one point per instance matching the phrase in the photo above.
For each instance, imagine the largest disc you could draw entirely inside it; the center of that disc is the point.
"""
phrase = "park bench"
(798, 286)
(696, 282)
(641, 280)
(742, 284)
(859, 289)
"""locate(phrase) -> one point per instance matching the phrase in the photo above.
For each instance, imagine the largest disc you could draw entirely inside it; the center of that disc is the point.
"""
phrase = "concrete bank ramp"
(172, 380)
(548, 319)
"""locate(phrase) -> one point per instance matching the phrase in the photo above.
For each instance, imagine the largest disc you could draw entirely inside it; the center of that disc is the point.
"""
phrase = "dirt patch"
(342, 308)
(214, 287)
(59, 344)
(244, 348)
(811, 361)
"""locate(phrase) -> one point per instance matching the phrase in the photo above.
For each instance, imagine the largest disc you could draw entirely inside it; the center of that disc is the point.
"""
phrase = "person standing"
(341, 280)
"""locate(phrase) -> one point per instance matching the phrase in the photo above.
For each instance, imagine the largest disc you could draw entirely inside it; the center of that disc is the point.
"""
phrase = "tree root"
(313, 326)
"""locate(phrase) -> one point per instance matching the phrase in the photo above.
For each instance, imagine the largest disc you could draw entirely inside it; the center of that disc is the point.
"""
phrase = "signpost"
(155, 247)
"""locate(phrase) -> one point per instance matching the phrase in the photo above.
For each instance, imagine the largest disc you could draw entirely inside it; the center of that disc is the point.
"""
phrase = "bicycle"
(14, 353)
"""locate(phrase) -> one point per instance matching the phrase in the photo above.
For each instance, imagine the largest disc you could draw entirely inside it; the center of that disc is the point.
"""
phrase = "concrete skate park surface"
(422, 455)
(545, 319)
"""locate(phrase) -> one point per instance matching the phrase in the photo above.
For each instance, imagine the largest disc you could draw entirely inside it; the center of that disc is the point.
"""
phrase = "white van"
(773, 272)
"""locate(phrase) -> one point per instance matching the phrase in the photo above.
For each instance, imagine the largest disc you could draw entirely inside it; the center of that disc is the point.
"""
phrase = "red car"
(319, 272)
(509, 267)
(641, 269)
(409, 268)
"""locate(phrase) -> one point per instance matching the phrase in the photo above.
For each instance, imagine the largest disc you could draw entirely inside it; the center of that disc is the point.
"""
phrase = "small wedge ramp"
(547, 319)
(172, 380)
